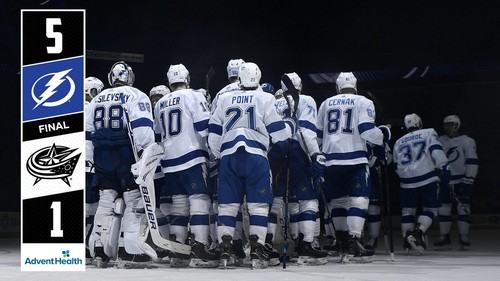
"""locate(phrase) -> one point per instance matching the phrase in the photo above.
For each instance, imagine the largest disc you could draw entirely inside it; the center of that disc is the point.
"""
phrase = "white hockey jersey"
(344, 124)
(462, 157)
(107, 111)
(417, 155)
(181, 119)
(306, 117)
(245, 118)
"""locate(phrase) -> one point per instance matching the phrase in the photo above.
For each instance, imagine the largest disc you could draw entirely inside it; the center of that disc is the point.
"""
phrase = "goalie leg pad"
(107, 223)
(134, 225)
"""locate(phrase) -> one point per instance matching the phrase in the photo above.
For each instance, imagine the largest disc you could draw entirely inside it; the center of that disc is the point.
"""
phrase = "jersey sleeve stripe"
(215, 129)
(363, 127)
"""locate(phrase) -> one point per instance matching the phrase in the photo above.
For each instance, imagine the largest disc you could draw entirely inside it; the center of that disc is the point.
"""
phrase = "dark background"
(452, 46)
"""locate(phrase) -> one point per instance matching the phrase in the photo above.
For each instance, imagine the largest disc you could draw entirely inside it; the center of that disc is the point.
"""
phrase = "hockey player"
(182, 122)
(93, 86)
(345, 123)
(238, 252)
(120, 204)
(420, 164)
(464, 165)
(302, 150)
(240, 128)
(156, 93)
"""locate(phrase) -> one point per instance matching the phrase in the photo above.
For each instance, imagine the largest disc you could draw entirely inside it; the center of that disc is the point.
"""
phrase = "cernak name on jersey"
(169, 102)
(341, 101)
(242, 99)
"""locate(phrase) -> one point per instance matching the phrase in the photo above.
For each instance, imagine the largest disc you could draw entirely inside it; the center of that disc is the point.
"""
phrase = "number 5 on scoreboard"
(57, 36)
(56, 220)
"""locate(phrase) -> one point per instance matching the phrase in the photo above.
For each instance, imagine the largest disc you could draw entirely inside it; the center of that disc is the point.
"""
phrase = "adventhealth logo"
(64, 260)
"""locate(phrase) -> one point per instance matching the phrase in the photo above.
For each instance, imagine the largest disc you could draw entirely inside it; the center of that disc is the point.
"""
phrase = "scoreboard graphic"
(52, 140)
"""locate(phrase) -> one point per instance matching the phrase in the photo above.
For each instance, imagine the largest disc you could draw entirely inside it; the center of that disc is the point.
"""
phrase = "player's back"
(458, 150)
(243, 116)
(416, 155)
(340, 119)
(182, 122)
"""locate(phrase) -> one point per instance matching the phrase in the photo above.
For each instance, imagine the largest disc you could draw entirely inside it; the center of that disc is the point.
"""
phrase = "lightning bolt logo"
(57, 79)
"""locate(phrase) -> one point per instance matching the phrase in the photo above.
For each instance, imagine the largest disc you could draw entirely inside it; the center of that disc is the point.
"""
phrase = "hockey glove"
(317, 165)
(292, 123)
(445, 175)
(386, 130)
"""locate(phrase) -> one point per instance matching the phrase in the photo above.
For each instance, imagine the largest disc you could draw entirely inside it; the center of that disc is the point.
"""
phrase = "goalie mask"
(93, 86)
(178, 73)
(413, 121)
(232, 67)
(249, 75)
(346, 80)
(296, 81)
(121, 74)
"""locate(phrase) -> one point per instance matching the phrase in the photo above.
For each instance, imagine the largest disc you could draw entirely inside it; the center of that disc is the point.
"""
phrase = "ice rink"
(481, 262)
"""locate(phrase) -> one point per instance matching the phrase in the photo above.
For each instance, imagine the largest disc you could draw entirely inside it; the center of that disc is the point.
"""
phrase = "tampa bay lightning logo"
(53, 162)
(56, 88)
(452, 154)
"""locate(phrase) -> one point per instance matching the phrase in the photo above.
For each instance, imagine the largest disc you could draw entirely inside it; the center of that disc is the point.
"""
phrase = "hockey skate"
(101, 260)
(202, 257)
(258, 253)
(417, 241)
(177, 259)
(274, 257)
(331, 246)
(126, 260)
(309, 255)
(464, 243)
(225, 249)
(444, 243)
(356, 252)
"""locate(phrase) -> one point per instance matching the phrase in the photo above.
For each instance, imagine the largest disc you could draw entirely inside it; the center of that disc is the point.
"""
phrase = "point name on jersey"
(52, 127)
(242, 99)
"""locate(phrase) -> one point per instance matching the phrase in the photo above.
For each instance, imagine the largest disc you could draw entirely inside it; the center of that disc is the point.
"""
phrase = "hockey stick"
(388, 209)
(454, 196)
(385, 216)
(208, 78)
(149, 200)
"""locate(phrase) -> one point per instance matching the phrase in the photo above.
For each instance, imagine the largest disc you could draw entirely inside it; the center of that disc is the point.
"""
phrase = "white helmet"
(233, 66)
(346, 80)
(93, 86)
(413, 121)
(121, 74)
(178, 73)
(296, 81)
(452, 119)
(159, 90)
(249, 75)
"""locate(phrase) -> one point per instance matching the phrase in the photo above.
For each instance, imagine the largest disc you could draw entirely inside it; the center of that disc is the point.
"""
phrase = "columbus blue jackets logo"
(53, 162)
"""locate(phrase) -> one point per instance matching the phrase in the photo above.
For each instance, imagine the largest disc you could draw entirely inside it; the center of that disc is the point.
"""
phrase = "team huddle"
(173, 175)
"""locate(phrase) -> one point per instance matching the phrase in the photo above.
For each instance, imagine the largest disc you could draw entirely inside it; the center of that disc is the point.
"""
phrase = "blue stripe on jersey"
(275, 127)
(249, 143)
(419, 178)
(346, 156)
(472, 161)
(308, 125)
(215, 129)
(88, 135)
(184, 158)
(201, 126)
(141, 122)
(434, 147)
(365, 127)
